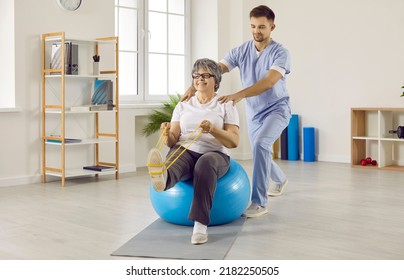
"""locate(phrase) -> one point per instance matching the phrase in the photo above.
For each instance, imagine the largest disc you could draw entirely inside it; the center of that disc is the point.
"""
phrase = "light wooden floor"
(329, 211)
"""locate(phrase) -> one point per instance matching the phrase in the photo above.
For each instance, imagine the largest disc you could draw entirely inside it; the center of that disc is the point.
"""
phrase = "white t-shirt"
(191, 113)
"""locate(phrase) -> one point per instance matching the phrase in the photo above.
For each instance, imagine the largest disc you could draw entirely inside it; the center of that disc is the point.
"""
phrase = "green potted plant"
(403, 92)
(160, 116)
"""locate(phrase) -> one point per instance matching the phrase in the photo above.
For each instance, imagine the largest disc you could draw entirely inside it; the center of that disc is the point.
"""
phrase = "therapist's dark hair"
(263, 11)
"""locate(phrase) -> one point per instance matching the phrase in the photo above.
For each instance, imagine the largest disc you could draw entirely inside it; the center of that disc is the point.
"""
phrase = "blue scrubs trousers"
(263, 133)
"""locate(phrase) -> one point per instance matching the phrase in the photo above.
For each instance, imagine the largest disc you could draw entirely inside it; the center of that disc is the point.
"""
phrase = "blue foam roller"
(293, 138)
(308, 144)
(229, 201)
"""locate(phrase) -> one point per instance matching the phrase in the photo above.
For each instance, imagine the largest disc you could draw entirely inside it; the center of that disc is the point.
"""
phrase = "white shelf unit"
(370, 137)
(61, 91)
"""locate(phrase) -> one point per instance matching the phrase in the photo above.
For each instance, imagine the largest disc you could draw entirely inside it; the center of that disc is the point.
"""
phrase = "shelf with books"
(89, 141)
(89, 76)
(68, 86)
(78, 172)
(83, 110)
(55, 38)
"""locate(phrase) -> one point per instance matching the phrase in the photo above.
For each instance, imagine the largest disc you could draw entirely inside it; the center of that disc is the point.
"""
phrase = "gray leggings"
(205, 170)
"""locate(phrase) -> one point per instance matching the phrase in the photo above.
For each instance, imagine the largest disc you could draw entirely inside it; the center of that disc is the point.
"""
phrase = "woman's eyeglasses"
(203, 75)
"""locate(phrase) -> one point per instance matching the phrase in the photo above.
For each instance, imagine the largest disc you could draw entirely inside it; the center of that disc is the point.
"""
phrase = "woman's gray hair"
(211, 66)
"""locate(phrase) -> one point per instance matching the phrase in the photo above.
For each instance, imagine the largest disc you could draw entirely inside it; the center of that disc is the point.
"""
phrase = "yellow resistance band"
(159, 146)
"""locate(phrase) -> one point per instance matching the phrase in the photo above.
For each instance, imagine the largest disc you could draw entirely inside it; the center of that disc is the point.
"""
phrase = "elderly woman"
(207, 159)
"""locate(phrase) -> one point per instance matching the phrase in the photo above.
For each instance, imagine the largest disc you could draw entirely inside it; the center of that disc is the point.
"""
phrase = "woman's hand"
(171, 132)
(206, 126)
(165, 128)
(228, 135)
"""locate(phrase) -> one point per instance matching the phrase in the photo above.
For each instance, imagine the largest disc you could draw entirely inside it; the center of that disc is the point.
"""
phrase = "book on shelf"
(56, 57)
(101, 107)
(71, 58)
(73, 67)
(67, 140)
(99, 168)
(88, 108)
(102, 95)
(84, 108)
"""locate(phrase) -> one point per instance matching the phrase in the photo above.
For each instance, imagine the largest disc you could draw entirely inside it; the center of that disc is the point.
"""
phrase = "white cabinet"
(73, 139)
(371, 137)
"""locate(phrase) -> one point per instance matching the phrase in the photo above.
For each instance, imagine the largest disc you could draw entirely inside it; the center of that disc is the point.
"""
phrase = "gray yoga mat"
(165, 240)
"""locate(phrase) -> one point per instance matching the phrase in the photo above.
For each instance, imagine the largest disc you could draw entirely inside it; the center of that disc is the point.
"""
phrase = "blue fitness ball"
(229, 201)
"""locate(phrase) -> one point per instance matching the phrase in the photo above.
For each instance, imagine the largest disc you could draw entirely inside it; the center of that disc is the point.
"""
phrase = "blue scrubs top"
(254, 68)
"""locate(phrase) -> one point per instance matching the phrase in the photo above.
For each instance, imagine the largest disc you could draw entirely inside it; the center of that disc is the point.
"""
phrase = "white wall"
(344, 54)
(7, 69)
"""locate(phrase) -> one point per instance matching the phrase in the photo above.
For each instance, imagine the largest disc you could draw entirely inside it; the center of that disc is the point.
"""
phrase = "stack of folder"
(71, 58)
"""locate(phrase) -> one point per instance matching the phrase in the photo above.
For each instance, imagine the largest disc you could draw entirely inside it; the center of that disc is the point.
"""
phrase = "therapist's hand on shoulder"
(232, 97)
(188, 94)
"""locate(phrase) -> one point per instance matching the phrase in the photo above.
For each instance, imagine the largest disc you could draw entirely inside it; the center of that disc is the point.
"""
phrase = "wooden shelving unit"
(370, 137)
(59, 92)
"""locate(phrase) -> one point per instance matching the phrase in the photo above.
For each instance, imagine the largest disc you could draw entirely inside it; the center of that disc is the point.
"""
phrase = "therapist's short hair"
(211, 66)
(262, 11)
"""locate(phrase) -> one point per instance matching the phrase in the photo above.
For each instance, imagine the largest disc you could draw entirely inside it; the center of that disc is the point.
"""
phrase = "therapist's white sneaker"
(255, 211)
(278, 189)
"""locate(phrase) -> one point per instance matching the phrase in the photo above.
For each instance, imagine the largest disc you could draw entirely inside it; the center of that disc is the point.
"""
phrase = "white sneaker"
(156, 166)
(278, 190)
(255, 211)
(199, 238)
